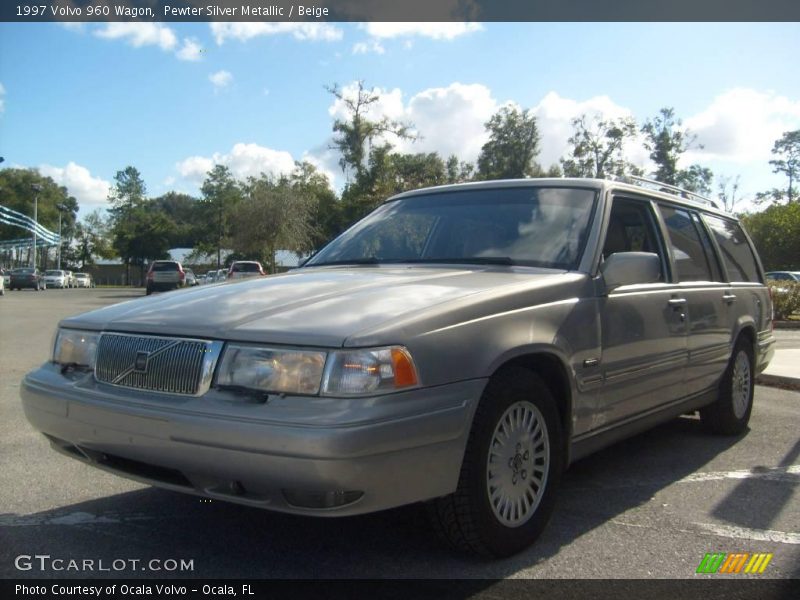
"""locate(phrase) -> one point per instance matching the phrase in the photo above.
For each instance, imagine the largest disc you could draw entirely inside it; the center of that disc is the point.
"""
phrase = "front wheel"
(730, 413)
(511, 469)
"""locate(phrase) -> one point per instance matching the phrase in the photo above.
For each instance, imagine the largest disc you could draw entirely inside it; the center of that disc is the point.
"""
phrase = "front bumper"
(383, 452)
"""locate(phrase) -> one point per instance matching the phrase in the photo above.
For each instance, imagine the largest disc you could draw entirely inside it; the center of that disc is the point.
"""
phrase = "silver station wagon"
(460, 345)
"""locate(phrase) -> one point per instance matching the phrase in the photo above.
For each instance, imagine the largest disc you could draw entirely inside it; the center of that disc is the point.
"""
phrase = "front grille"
(159, 364)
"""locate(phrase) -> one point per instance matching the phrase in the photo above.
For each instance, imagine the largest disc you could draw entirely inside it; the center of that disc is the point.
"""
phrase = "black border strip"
(399, 10)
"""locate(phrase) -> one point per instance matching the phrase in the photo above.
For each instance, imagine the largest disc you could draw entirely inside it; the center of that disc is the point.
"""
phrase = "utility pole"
(60, 208)
(36, 190)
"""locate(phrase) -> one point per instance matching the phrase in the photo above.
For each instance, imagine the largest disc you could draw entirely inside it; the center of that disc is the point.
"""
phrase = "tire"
(730, 413)
(477, 518)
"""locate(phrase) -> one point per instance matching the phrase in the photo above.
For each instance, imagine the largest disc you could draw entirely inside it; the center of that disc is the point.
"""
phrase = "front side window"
(691, 261)
(740, 263)
(631, 228)
(537, 226)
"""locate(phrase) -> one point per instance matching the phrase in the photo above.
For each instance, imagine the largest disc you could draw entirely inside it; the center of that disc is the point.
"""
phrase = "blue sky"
(81, 102)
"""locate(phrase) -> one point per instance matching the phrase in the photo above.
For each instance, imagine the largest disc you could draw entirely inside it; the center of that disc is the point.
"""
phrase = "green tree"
(387, 174)
(92, 238)
(273, 215)
(146, 235)
(458, 171)
(787, 149)
(695, 179)
(776, 234)
(129, 191)
(354, 136)
(326, 213)
(727, 190)
(185, 212)
(221, 195)
(512, 147)
(598, 146)
(666, 140)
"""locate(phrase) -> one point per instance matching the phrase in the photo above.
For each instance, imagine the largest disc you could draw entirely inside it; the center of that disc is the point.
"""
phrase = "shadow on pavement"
(227, 540)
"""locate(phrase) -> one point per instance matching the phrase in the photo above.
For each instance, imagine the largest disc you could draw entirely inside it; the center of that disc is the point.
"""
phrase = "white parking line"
(728, 531)
(745, 533)
(789, 473)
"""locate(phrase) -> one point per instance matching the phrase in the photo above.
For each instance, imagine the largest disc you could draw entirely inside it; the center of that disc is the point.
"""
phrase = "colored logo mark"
(734, 562)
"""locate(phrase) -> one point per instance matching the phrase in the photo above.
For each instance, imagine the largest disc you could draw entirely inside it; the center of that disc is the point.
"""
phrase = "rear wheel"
(730, 413)
(512, 466)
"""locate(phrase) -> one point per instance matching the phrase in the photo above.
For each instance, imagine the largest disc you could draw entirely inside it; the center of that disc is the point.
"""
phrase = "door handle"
(677, 302)
(729, 298)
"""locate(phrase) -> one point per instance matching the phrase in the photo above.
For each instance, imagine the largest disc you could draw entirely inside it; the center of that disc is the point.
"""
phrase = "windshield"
(533, 226)
(54, 273)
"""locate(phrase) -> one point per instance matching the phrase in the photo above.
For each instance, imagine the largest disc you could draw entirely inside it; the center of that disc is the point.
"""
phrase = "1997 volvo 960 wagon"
(460, 345)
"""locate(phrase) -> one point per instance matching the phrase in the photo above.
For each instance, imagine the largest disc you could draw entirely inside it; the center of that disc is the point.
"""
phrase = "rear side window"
(737, 255)
(165, 266)
(246, 268)
(691, 260)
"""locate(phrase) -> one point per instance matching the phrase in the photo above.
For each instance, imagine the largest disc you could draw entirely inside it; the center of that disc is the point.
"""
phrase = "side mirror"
(628, 268)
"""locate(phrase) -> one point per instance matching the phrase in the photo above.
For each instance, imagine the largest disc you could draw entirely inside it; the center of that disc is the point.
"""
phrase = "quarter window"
(691, 260)
(736, 252)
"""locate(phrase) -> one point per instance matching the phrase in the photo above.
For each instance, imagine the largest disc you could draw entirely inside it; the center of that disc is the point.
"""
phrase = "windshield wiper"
(370, 260)
(469, 260)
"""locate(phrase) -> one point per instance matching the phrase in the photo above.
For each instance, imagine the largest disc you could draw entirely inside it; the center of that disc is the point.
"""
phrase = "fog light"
(306, 499)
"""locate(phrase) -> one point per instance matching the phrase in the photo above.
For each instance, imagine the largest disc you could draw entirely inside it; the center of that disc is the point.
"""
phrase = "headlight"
(271, 369)
(75, 348)
(370, 371)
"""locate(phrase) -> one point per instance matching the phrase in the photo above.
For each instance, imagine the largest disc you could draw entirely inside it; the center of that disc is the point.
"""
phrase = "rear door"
(745, 297)
(643, 326)
(699, 279)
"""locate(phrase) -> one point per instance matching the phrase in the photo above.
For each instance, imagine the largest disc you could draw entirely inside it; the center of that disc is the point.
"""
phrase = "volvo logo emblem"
(140, 364)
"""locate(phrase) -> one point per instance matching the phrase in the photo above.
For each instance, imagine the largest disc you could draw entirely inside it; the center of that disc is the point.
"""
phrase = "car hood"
(312, 306)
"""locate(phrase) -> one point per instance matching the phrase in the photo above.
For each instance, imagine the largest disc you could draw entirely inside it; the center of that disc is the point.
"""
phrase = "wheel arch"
(549, 364)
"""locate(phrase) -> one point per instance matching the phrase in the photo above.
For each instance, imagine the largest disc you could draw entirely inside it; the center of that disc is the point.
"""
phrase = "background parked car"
(6, 277)
(27, 277)
(56, 278)
(242, 269)
(191, 280)
(165, 275)
(83, 280)
(221, 275)
(783, 275)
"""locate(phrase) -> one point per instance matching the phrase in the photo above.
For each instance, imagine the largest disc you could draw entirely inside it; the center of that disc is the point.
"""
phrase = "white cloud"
(299, 30)
(190, 50)
(139, 34)
(2, 98)
(90, 192)
(244, 160)
(741, 125)
(451, 120)
(373, 46)
(435, 31)
(220, 79)
(554, 116)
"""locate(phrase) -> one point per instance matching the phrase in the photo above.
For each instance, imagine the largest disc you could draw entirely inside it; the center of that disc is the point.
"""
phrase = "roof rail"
(644, 181)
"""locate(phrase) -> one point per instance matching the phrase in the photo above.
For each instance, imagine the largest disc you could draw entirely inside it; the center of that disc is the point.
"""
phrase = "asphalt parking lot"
(651, 506)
